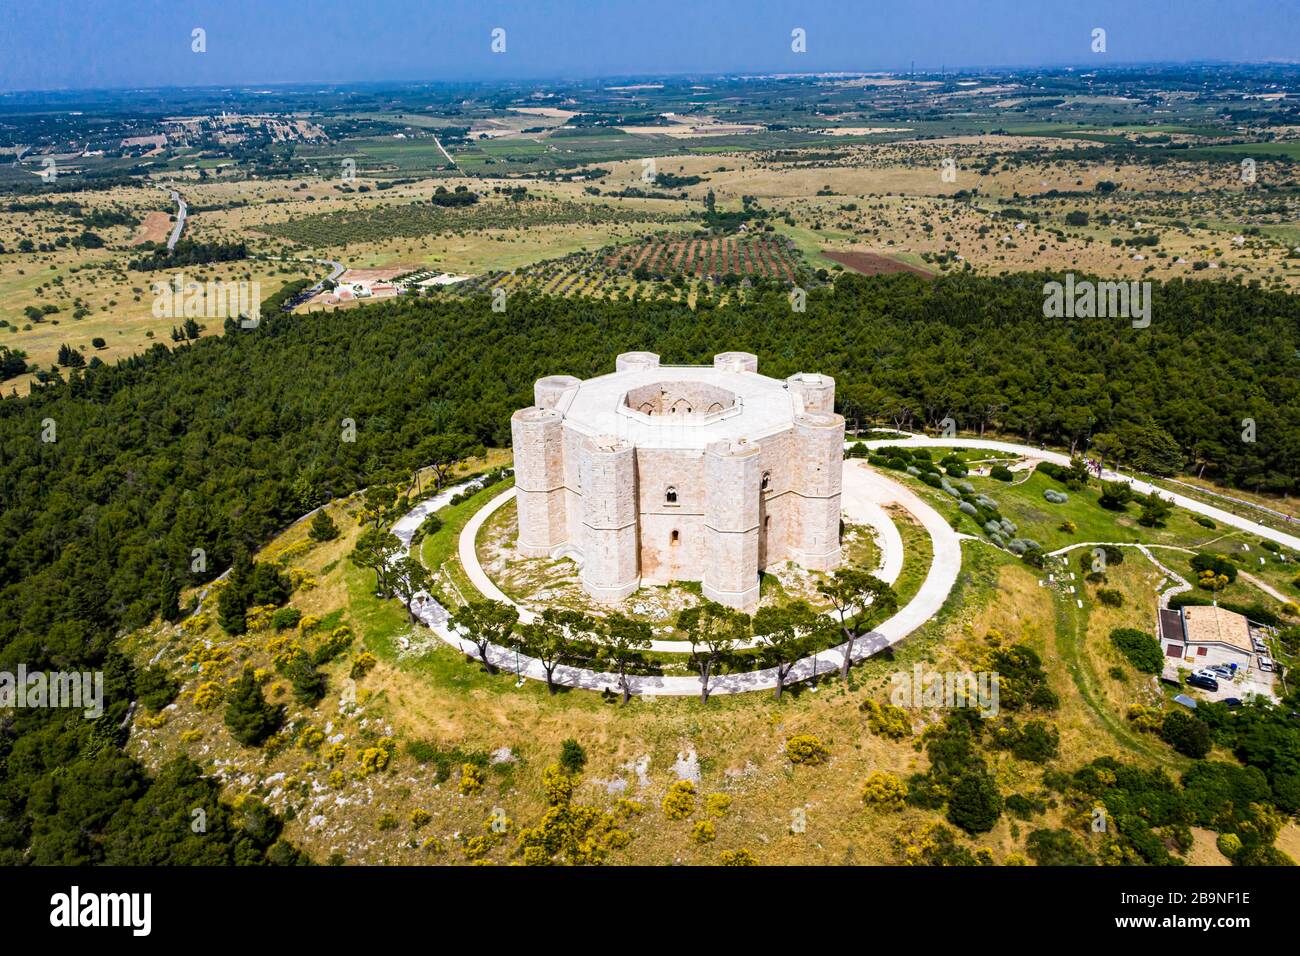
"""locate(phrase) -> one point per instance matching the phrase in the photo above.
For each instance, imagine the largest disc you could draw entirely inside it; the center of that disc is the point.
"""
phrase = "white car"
(1265, 663)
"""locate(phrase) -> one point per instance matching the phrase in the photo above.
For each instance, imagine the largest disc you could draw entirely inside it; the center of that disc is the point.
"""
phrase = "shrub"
(1055, 497)
(717, 804)
(471, 779)
(155, 688)
(956, 469)
(1110, 597)
(887, 720)
(884, 791)
(572, 757)
(285, 618)
(1069, 527)
(362, 666)
(1186, 733)
(249, 718)
(1057, 848)
(1001, 473)
(1141, 649)
(322, 527)
(975, 804)
(1204, 522)
(558, 785)
(806, 749)
(679, 803)
(1229, 844)
(1115, 495)
(737, 858)
(704, 832)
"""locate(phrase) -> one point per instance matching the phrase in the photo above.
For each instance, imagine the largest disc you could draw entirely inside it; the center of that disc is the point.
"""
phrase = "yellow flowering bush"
(679, 803)
(737, 858)
(884, 790)
(471, 778)
(419, 817)
(886, 720)
(208, 695)
(336, 754)
(557, 784)
(806, 749)
(717, 804)
(704, 832)
(364, 663)
(190, 736)
(311, 738)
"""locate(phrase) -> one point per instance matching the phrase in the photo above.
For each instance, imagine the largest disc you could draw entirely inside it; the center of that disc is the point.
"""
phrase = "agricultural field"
(664, 257)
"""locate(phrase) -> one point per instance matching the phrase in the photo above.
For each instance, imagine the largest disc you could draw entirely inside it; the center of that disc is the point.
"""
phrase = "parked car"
(1224, 671)
(1265, 663)
(1260, 646)
(1232, 702)
(1203, 682)
(1210, 672)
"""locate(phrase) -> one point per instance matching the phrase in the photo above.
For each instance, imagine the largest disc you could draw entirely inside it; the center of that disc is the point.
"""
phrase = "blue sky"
(70, 44)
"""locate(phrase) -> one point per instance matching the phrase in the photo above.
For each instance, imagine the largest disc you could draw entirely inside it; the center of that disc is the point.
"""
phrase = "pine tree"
(323, 527)
(249, 717)
(170, 599)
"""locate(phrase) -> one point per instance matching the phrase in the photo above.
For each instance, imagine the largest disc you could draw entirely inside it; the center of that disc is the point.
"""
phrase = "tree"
(624, 640)
(249, 717)
(379, 500)
(409, 577)
(1155, 511)
(307, 682)
(486, 623)
(1186, 733)
(851, 592)
(975, 803)
(377, 550)
(786, 636)
(556, 638)
(713, 632)
(442, 453)
(322, 527)
(169, 600)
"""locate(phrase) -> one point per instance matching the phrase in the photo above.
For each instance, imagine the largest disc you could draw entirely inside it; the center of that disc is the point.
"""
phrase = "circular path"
(865, 494)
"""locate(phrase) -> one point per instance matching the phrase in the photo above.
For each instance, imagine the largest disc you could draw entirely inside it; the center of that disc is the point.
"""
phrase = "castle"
(661, 473)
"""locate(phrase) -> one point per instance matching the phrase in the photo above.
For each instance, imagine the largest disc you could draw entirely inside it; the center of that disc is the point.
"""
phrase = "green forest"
(110, 479)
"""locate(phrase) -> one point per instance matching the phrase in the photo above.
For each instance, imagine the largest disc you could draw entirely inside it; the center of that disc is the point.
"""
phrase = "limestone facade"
(654, 474)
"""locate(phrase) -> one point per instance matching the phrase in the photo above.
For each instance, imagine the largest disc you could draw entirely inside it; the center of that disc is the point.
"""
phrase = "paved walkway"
(865, 484)
(859, 502)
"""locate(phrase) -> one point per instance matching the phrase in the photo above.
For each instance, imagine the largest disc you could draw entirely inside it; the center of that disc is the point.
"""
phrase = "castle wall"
(537, 436)
(658, 470)
(731, 522)
(609, 518)
(815, 514)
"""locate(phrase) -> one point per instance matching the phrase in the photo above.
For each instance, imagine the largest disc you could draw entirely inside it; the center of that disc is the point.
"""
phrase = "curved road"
(860, 499)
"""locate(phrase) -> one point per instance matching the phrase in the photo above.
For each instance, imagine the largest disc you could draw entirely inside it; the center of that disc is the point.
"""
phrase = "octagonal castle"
(662, 473)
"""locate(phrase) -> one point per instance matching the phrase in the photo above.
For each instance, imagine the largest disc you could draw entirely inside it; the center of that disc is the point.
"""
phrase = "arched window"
(675, 538)
(670, 496)
(767, 480)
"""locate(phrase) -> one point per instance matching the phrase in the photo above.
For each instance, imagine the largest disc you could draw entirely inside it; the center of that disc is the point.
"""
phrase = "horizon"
(94, 45)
